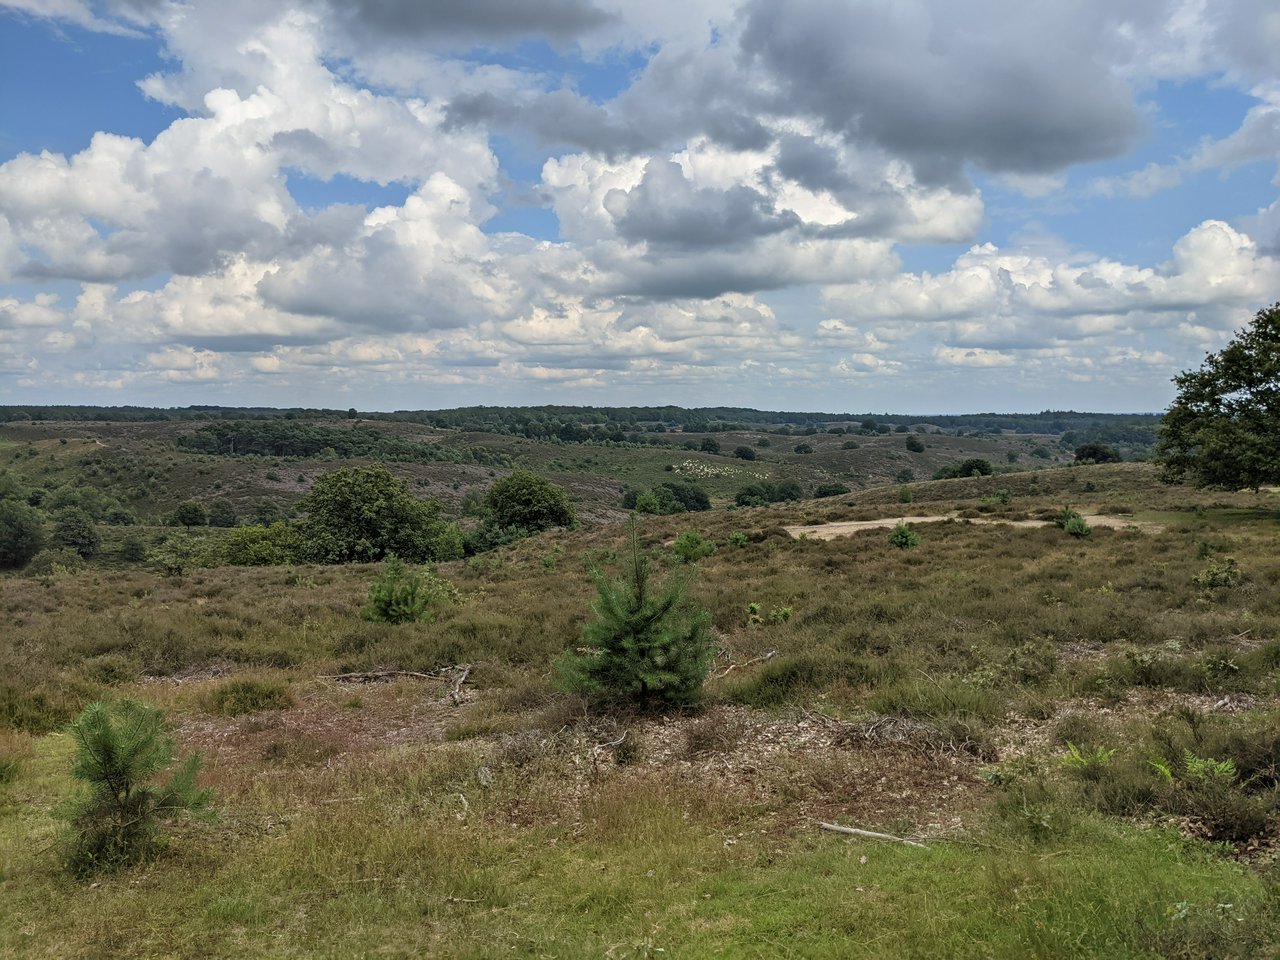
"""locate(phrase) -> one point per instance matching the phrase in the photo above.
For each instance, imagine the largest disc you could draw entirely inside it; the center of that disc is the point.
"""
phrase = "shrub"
(54, 562)
(783, 680)
(175, 556)
(830, 490)
(189, 514)
(691, 546)
(1077, 527)
(803, 448)
(21, 534)
(644, 646)
(120, 749)
(914, 445)
(850, 445)
(1097, 453)
(904, 494)
(75, 530)
(236, 697)
(738, 538)
(764, 493)
(222, 514)
(120, 517)
(398, 595)
(1065, 516)
(973, 467)
(266, 512)
(1218, 575)
(744, 453)
(1087, 764)
(529, 501)
(257, 546)
(667, 498)
(714, 733)
(903, 537)
(132, 549)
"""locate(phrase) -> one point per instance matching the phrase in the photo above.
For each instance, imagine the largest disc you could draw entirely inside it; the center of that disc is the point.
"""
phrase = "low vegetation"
(599, 741)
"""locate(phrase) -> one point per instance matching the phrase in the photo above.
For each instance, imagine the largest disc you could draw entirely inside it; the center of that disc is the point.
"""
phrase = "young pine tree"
(119, 751)
(644, 646)
(397, 596)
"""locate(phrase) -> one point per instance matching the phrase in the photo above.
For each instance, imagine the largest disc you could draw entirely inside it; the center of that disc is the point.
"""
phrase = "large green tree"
(21, 534)
(529, 502)
(1223, 429)
(74, 528)
(366, 514)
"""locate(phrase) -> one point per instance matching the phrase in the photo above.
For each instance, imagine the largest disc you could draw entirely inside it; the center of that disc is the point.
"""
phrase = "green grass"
(642, 866)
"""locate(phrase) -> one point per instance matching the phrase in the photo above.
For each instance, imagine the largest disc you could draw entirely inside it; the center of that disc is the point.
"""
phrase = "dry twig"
(733, 666)
(869, 834)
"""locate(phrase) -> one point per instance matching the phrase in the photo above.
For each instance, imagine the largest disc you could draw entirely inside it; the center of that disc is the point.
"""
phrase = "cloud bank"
(742, 198)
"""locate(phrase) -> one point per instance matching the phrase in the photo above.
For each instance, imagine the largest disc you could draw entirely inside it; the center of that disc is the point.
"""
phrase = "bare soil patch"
(844, 528)
(331, 724)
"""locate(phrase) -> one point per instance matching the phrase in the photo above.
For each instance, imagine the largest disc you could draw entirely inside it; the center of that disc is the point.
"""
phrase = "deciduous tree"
(365, 514)
(1223, 428)
(528, 501)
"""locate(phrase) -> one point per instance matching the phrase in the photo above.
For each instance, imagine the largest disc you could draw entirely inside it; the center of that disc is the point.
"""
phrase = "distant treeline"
(619, 424)
(572, 423)
(290, 438)
(129, 414)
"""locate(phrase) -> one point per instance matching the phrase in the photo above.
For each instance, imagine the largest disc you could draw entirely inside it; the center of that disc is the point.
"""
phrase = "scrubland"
(1083, 732)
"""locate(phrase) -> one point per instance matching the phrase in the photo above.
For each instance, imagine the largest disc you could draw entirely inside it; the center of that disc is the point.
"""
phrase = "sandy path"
(829, 531)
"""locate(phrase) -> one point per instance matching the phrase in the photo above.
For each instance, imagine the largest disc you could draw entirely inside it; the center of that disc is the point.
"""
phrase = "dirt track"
(829, 531)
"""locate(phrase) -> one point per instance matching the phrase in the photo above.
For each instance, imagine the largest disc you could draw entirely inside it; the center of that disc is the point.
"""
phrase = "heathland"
(1060, 679)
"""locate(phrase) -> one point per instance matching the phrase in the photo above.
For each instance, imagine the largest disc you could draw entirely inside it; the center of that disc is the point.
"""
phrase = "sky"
(914, 206)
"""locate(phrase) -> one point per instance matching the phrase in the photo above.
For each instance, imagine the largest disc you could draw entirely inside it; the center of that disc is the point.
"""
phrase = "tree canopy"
(366, 514)
(1223, 428)
(21, 534)
(529, 502)
(1097, 453)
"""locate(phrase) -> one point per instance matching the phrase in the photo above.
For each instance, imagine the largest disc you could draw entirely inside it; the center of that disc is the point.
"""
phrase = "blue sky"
(828, 204)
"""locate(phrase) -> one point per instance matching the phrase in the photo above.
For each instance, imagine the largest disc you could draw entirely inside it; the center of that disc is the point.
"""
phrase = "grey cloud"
(667, 210)
(700, 279)
(254, 343)
(1245, 34)
(382, 286)
(683, 92)
(810, 164)
(331, 226)
(1017, 88)
(471, 19)
(558, 118)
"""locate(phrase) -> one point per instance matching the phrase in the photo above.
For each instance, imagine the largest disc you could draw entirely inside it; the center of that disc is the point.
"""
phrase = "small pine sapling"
(120, 749)
(691, 546)
(644, 646)
(903, 537)
(400, 595)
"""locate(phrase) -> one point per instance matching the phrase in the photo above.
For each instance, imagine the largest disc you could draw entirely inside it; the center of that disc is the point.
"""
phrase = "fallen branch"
(377, 676)
(733, 666)
(612, 743)
(464, 671)
(869, 834)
